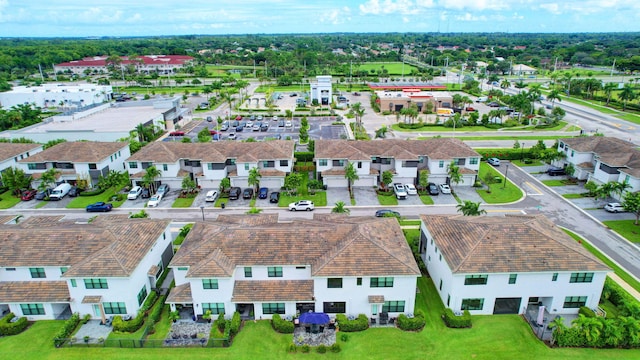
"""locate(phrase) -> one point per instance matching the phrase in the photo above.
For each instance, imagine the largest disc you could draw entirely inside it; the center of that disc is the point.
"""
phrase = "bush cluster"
(220, 323)
(12, 328)
(358, 324)
(412, 324)
(412, 126)
(67, 329)
(148, 303)
(586, 312)
(280, 325)
(130, 326)
(97, 191)
(457, 322)
(156, 312)
(506, 154)
(235, 323)
(304, 156)
(310, 167)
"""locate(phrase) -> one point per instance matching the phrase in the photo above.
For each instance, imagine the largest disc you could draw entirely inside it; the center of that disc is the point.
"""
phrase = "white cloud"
(377, 7)
(470, 17)
(336, 16)
(552, 8)
(476, 5)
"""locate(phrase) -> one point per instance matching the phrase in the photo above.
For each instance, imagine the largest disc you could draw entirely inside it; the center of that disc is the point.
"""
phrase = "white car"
(614, 207)
(275, 117)
(249, 124)
(411, 189)
(288, 123)
(211, 196)
(494, 161)
(400, 191)
(445, 189)
(134, 193)
(232, 136)
(154, 200)
(302, 205)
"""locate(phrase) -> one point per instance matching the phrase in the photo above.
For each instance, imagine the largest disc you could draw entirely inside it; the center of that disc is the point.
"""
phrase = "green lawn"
(573, 196)
(319, 199)
(221, 201)
(426, 199)
(410, 222)
(183, 202)
(439, 128)
(521, 164)
(179, 239)
(393, 68)
(554, 182)
(41, 204)
(626, 228)
(387, 199)
(162, 327)
(499, 192)
(81, 202)
(7, 200)
(514, 138)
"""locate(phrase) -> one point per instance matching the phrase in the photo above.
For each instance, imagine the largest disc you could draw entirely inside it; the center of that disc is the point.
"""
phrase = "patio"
(542, 331)
(303, 335)
(188, 333)
(94, 330)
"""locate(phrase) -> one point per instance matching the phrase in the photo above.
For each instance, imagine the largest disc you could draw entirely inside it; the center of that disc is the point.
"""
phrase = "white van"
(60, 191)
(482, 99)
(134, 193)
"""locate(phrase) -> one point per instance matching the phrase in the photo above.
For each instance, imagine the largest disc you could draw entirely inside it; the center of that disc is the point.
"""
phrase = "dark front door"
(305, 307)
(507, 305)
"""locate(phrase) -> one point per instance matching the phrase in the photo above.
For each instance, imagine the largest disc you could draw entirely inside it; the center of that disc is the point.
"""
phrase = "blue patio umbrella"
(317, 318)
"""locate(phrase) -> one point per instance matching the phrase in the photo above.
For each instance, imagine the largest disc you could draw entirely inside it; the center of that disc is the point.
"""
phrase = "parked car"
(302, 205)
(248, 124)
(387, 212)
(257, 125)
(239, 128)
(482, 99)
(99, 207)
(274, 198)
(281, 123)
(445, 189)
(209, 119)
(275, 118)
(146, 193)
(259, 118)
(154, 201)
(176, 133)
(134, 193)
(212, 196)
(41, 195)
(163, 190)
(470, 109)
(235, 123)
(232, 136)
(239, 117)
(493, 104)
(74, 191)
(556, 171)
(400, 191)
(224, 126)
(288, 123)
(213, 132)
(28, 194)
(494, 161)
(411, 189)
(433, 189)
(60, 191)
(264, 126)
(262, 193)
(247, 193)
(614, 207)
(293, 94)
(234, 193)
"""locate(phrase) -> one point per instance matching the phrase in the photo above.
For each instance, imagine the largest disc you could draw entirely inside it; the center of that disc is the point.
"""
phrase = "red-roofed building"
(164, 64)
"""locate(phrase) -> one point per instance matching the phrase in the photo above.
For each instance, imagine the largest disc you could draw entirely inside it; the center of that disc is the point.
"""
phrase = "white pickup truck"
(400, 191)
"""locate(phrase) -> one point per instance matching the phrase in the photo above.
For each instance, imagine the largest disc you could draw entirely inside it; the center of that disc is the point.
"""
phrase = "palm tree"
(254, 178)
(150, 176)
(340, 208)
(520, 85)
(626, 94)
(591, 328)
(608, 90)
(48, 179)
(553, 96)
(505, 84)
(226, 96)
(559, 327)
(351, 175)
(470, 208)
(454, 173)
(612, 333)
(358, 111)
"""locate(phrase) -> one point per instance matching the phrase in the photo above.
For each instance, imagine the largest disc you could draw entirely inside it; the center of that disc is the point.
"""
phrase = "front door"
(96, 310)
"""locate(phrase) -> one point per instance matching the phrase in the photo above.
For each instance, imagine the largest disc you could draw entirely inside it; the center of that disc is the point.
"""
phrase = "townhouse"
(405, 158)
(208, 163)
(602, 159)
(78, 161)
(52, 268)
(504, 265)
(258, 266)
(11, 153)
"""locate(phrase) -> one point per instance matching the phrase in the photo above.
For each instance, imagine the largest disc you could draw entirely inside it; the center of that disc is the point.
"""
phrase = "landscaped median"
(82, 201)
(499, 192)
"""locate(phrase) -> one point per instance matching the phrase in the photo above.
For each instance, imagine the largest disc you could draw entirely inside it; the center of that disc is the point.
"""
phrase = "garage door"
(365, 181)
(335, 182)
(507, 306)
(271, 183)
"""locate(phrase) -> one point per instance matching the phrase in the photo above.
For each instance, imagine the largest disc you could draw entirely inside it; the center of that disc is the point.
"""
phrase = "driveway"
(339, 194)
(444, 199)
(365, 196)
(411, 200)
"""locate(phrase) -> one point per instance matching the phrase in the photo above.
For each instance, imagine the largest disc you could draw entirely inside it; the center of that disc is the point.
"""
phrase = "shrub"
(292, 348)
(335, 348)
(156, 312)
(453, 321)
(67, 329)
(321, 349)
(130, 326)
(304, 156)
(220, 322)
(280, 325)
(586, 312)
(97, 191)
(12, 328)
(412, 324)
(305, 348)
(413, 126)
(235, 323)
(359, 324)
(148, 303)
(344, 337)
(86, 318)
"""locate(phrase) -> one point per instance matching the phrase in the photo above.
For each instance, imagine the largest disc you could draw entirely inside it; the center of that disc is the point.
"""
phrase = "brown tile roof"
(586, 165)
(440, 149)
(334, 171)
(611, 151)
(11, 150)
(249, 219)
(34, 291)
(272, 172)
(77, 152)
(7, 218)
(215, 152)
(354, 246)
(92, 299)
(180, 294)
(102, 248)
(39, 221)
(509, 244)
(376, 299)
(272, 290)
(464, 170)
(153, 270)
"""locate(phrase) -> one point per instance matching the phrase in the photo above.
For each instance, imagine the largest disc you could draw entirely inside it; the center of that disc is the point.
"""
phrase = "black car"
(239, 128)
(556, 171)
(42, 194)
(247, 193)
(74, 191)
(387, 213)
(235, 123)
(234, 193)
(145, 194)
(493, 104)
(433, 189)
(264, 127)
(274, 198)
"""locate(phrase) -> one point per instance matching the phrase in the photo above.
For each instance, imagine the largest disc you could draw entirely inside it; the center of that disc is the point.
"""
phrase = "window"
(334, 283)
(300, 267)
(114, 308)
(142, 295)
(513, 278)
(216, 166)
(37, 273)
(359, 281)
(63, 269)
(96, 284)
(284, 162)
(572, 153)
(440, 284)
(133, 165)
(216, 308)
(322, 162)
(209, 284)
(359, 164)
(74, 283)
(476, 279)
(165, 167)
(230, 162)
(246, 166)
(440, 257)
(334, 307)
(93, 166)
(441, 164)
(248, 272)
(410, 164)
(274, 271)
(448, 299)
(554, 277)
(338, 162)
(268, 164)
(111, 158)
(381, 282)
(183, 268)
(473, 161)
(393, 306)
(374, 308)
(581, 277)
(10, 269)
(273, 308)
(32, 309)
(472, 304)
(574, 302)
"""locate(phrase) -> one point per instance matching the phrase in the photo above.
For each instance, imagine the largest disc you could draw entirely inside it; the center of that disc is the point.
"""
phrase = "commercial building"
(63, 96)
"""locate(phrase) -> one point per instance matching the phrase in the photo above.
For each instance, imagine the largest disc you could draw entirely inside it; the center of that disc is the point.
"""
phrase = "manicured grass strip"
(162, 327)
(440, 128)
(573, 196)
(616, 269)
(183, 202)
(522, 164)
(179, 239)
(519, 138)
(7, 200)
(626, 229)
(426, 199)
(81, 202)
(41, 204)
(319, 199)
(410, 222)
(221, 201)
(499, 192)
(387, 199)
(553, 182)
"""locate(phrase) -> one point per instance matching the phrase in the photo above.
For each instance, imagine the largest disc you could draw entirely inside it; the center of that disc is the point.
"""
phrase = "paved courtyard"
(94, 330)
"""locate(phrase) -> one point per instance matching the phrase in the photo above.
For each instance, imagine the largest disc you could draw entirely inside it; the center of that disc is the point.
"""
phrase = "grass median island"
(426, 199)
(499, 193)
(387, 199)
(319, 198)
(626, 229)
(81, 202)
(554, 182)
(183, 202)
(7, 200)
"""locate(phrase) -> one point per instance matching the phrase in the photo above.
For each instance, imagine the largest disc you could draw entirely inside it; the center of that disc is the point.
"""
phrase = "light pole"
(202, 209)
(506, 172)
(522, 152)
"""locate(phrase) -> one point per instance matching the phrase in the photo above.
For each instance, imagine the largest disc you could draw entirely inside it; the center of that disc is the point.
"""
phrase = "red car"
(176, 133)
(239, 117)
(213, 132)
(470, 108)
(28, 194)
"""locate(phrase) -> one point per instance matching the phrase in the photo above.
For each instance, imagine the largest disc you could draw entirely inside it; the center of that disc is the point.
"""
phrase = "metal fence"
(149, 343)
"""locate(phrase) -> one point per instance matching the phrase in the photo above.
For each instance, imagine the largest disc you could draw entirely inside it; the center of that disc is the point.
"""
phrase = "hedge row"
(304, 167)
(453, 321)
(97, 191)
(156, 312)
(12, 328)
(304, 156)
(359, 324)
(280, 325)
(586, 312)
(235, 323)
(67, 329)
(412, 324)
(220, 323)
(130, 326)
(151, 299)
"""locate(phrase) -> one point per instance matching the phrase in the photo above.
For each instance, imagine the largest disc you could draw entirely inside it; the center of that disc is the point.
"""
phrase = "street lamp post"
(522, 152)
(506, 172)
(202, 209)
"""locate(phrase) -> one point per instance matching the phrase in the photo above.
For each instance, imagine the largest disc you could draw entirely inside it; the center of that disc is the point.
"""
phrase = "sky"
(86, 18)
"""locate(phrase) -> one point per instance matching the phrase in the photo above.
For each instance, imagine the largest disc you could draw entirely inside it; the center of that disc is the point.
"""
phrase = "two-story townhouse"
(504, 265)
(11, 153)
(602, 159)
(404, 158)
(259, 267)
(78, 160)
(52, 268)
(209, 163)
